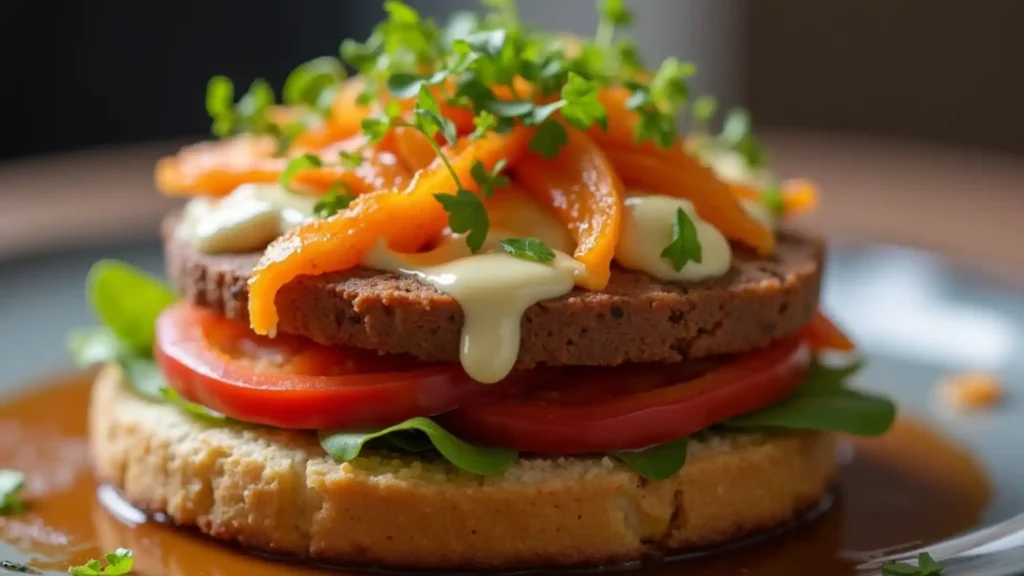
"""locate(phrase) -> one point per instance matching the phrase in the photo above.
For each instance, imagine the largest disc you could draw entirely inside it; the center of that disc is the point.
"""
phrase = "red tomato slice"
(290, 382)
(597, 410)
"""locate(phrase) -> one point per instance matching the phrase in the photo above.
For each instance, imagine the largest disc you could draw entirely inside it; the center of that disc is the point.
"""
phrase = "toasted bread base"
(277, 491)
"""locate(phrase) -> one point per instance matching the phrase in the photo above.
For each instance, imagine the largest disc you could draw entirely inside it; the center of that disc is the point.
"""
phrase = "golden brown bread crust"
(277, 491)
(635, 319)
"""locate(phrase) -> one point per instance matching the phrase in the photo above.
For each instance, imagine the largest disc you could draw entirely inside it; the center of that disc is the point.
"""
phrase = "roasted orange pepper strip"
(413, 148)
(404, 218)
(216, 168)
(822, 334)
(683, 176)
(675, 173)
(583, 189)
(347, 115)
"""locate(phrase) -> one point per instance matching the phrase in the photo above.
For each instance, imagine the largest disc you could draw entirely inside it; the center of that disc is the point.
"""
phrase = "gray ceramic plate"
(916, 316)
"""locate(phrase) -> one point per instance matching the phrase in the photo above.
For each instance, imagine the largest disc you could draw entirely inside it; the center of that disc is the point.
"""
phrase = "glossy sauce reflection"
(909, 488)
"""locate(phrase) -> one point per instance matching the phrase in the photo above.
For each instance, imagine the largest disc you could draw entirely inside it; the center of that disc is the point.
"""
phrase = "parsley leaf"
(582, 106)
(772, 198)
(376, 128)
(314, 84)
(611, 13)
(510, 108)
(11, 484)
(488, 181)
(466, 214)
(669, 87)
(628, 59)
(350, 160)
(428, 119)
(685, 246)
(220, 105)
(296, 164)
(926, 566)
(615, 12)
(119, 563)
(661, 128)
(737, 134)
(504, 15)
(549, 138)
(484, 122)
(405, 84)
(488, 43)
(334, 201)
(252, 108)
(704, 109)
(528, 249)
(250, 114)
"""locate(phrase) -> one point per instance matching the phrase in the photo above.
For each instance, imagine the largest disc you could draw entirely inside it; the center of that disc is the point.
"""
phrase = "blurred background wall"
(113, 71)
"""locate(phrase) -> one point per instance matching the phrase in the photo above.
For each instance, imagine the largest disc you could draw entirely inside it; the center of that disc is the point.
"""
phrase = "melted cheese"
(647, 230)
(245, 220)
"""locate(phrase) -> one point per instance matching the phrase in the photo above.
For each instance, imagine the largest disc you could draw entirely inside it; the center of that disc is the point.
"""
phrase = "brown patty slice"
(637, 318)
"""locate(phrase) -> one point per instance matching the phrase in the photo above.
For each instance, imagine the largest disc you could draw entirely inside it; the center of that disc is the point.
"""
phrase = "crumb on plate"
(971, 390)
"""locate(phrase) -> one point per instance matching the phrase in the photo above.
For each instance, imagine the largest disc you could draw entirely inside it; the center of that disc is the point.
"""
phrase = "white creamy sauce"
(760, 212)
(647, 230)
(247, 219)
(732, 167)
(493, 289)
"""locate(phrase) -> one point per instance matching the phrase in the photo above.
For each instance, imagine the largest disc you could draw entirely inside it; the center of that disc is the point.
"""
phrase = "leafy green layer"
(824, 403)
(345, 445)
(127, 301)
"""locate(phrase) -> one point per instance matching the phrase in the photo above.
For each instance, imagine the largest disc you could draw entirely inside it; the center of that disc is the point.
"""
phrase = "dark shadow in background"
(948, 70)
(78, 73)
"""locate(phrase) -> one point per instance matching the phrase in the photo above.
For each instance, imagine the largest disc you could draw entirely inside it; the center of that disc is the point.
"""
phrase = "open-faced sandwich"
(481, 305)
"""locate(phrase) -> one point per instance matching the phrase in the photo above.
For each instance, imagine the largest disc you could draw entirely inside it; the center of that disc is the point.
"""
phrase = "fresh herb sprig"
(466, 210)
(339, 195)
(119, 563)
(11, 484)
(685, 245)
(926, 566)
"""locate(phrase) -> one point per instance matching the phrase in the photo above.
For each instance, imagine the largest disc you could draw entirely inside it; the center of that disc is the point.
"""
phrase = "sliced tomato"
(290, 382)
(579, 410)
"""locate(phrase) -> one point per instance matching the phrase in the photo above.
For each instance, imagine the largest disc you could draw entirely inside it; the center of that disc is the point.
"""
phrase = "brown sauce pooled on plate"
(908, 488)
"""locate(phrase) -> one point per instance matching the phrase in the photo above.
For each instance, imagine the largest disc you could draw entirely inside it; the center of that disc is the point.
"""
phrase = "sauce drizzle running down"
(908, 488)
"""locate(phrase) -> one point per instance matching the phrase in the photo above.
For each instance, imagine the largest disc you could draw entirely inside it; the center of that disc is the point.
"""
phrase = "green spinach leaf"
(824, 403)
(345, 445)
(197, 410)
(128, 301)
(659, 462)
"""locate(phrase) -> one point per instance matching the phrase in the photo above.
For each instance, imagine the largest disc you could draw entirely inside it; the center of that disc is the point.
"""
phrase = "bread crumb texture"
(277, 491)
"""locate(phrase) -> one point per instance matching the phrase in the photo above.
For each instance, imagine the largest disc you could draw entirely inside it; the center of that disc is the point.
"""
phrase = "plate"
(916, 316)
